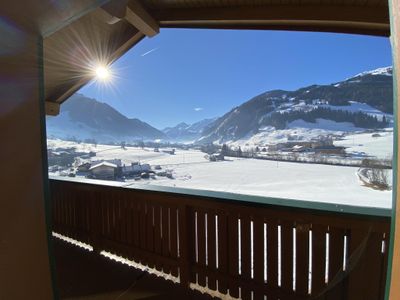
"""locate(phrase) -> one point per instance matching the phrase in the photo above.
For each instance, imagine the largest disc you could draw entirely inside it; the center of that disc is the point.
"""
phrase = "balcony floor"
(85, 275)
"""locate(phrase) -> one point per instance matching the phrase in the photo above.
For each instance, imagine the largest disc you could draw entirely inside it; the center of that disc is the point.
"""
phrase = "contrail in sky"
(148, 52)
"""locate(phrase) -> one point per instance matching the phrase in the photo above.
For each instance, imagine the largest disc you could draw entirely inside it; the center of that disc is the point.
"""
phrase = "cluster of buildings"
(113, 169)
(65, 157)
(317, 147)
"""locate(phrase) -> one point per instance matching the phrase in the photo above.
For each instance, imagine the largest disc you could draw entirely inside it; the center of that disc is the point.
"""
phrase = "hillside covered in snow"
(85, 118)
(364, 101)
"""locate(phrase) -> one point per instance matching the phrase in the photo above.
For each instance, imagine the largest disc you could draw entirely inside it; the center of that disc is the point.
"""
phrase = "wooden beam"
(137, 15)
(394, 268)
(125, 47)
(116, 8)
(52, 108)
(353, 19)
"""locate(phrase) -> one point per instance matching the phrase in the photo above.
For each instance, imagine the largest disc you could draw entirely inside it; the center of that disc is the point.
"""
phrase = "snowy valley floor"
(190, 169)
(321, 183)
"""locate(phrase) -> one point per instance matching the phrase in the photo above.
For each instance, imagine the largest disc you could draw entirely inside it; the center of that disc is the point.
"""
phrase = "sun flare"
(102, 73)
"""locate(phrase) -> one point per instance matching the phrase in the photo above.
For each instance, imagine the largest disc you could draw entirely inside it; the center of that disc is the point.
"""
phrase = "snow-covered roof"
(104, 163)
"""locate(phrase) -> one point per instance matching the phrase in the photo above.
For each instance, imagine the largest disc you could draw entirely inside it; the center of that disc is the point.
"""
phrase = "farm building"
(104, 170)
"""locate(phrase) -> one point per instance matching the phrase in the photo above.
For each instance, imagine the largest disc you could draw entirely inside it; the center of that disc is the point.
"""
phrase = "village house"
(104, 170)
(114, 161)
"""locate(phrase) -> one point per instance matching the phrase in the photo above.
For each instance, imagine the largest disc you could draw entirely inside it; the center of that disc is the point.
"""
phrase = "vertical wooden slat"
(59, 198)
(356, 279)
(107, 217)
(74, 227)
(302, 258)
(211, 249)
(116, 223)
(384, 265)
(373, 267)
(174, 237)
(95, 225)
(81, 213)
(157, 234)
(129, 215)
(66, 223)
(245, 254)
(55, 210)
(272, 254)
(318, 258)
(222, 251)
(336, 246)
(118, 218)
(186, 248)
(68, 214)
(258, 257)
(135, 223)
(142, 230)
(100, 202)
(286, 249)
(165, 237)
(150, 232)
(129, 228)
(124, 225)
(86, 198)
(201, 247)
(113, 231)
(233, 253)
(63, 213)
(72, 202)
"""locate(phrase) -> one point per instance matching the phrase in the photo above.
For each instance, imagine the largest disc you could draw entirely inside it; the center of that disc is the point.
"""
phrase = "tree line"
(359, 119)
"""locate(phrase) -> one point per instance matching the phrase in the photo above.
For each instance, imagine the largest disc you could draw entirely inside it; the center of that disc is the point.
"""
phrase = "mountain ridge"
(364, 100)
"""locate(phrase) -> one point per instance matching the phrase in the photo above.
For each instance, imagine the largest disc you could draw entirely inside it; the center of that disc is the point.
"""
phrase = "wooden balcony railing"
(234, 248)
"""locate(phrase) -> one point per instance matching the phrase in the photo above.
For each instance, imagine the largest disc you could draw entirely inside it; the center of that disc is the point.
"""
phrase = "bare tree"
(379, 177)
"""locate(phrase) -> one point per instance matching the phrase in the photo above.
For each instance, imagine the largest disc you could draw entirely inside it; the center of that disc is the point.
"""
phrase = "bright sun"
(103, 73)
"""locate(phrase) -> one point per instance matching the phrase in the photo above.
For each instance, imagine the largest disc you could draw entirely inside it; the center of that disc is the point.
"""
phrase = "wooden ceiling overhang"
(110, 28)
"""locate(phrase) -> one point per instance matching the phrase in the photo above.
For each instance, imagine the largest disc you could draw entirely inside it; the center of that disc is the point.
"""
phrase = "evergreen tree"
(239, 152)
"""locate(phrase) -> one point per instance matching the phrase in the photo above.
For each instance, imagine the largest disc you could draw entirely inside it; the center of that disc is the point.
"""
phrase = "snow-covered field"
(364, 143)
(312, 182)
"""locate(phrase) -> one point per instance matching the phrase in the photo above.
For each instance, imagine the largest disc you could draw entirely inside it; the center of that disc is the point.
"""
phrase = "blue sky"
(188, 75)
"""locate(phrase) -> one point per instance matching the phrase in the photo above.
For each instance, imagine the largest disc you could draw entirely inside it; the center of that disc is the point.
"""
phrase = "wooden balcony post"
(25, 267)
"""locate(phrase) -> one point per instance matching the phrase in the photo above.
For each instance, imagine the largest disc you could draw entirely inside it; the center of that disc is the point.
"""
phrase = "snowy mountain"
(362, 101)
(85, 118)
(185, 132)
